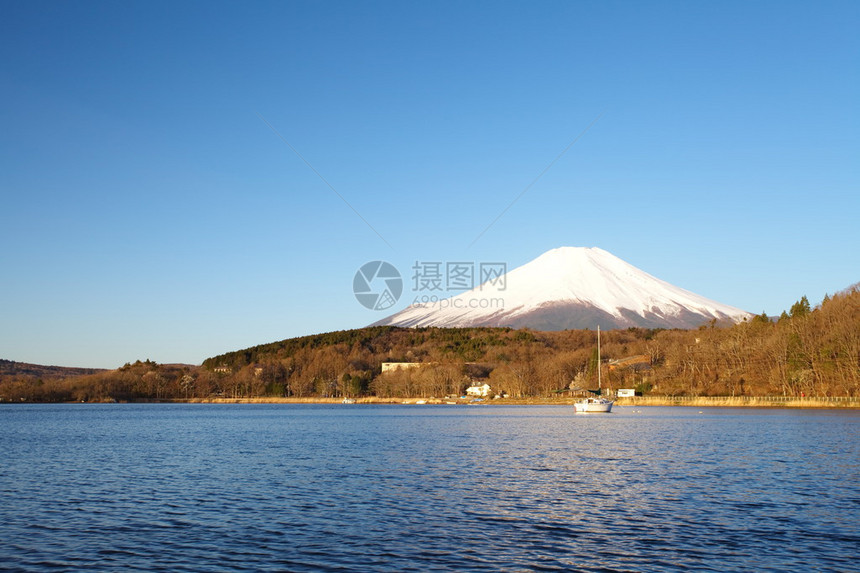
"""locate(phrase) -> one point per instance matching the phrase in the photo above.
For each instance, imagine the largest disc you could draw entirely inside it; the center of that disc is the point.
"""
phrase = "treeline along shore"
(810, 353)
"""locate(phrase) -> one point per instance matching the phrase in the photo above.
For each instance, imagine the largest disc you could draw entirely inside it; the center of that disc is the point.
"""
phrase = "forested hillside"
(12, 368)
(811, 351)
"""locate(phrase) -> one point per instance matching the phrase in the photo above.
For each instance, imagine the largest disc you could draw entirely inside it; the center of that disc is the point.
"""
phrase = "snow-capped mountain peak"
(572, 287)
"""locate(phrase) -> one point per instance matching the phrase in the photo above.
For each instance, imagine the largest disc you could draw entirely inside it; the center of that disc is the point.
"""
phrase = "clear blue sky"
(149, 212)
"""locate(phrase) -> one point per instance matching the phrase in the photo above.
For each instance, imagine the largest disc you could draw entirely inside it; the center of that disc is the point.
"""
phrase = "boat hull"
(604, 406)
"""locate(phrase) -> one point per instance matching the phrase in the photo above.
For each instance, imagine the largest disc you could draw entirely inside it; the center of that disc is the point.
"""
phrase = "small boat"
(348, 401)
(595, 403)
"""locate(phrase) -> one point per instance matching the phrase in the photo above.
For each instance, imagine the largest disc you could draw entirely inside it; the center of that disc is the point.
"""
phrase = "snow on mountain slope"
(572, 287)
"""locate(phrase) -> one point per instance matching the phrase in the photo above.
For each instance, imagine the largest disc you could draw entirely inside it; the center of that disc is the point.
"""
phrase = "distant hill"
(12, 368)
(808, 350)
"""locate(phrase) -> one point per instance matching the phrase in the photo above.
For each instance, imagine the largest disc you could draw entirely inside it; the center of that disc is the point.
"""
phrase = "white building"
(478, 390)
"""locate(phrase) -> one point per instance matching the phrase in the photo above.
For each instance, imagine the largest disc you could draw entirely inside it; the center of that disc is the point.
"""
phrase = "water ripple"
(327, 488)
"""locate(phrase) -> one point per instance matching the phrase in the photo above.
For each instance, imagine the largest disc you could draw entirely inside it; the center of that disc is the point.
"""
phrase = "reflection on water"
(422, 488)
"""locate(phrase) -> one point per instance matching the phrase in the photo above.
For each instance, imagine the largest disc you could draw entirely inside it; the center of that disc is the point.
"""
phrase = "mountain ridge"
(13, 368)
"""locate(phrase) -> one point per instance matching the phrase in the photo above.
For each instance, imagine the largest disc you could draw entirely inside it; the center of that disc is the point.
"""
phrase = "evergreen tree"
(763, 318)
(800, 308)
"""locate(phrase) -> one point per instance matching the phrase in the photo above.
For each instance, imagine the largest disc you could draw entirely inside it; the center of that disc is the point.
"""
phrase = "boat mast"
(598, 360)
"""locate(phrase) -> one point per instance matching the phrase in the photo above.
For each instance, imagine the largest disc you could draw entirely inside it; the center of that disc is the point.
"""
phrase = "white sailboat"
(595, 403)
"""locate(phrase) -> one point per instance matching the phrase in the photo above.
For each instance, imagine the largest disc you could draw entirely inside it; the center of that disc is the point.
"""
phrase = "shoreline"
(691, 401)
(839, 402)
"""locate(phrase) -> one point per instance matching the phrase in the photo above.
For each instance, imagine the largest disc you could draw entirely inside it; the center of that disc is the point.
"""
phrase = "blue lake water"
(196, 487)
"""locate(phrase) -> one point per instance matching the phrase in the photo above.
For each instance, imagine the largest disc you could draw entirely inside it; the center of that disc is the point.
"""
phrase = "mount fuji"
(570, 288)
